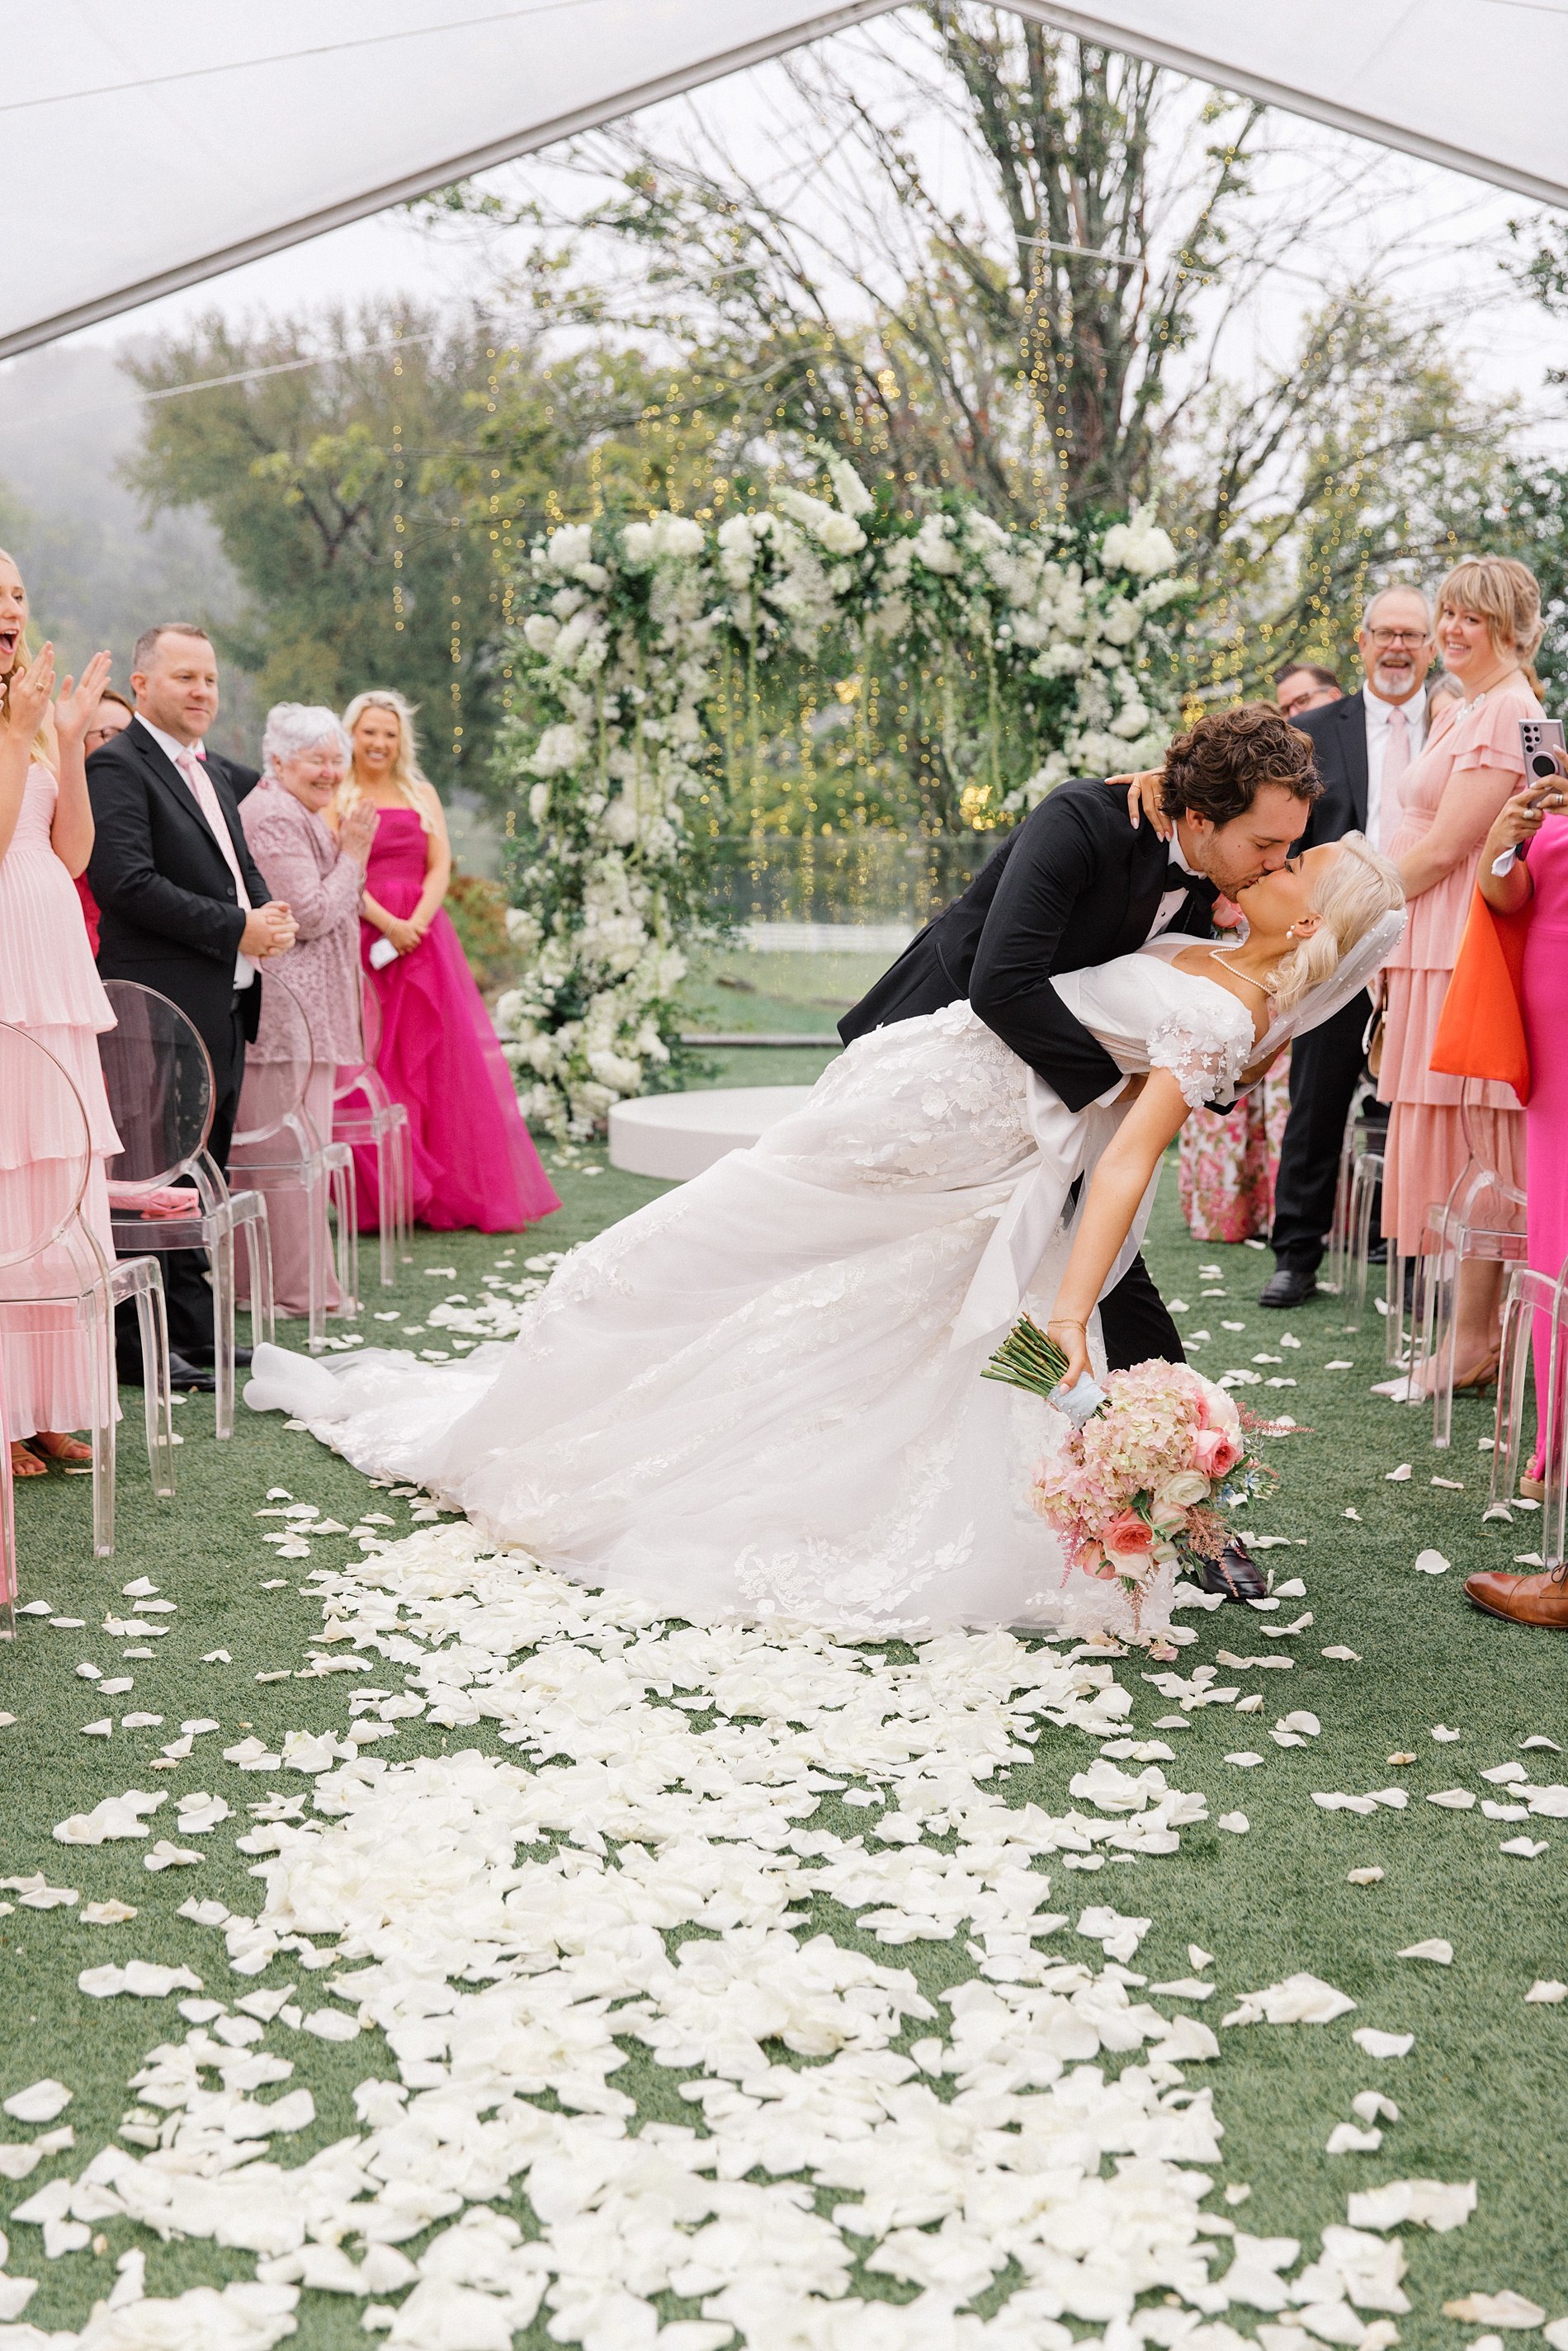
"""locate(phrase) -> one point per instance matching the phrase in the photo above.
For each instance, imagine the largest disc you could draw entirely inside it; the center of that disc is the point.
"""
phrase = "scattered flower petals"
(1505, 2309)
(1299, 1999)
(1373, 2107)
(39, 2103)
(1437, 1950)
(1547, 1992)
(105, 1914)
(1346, 2139)
(1343, 1656)
(1431, 1562)
(1380, 2045)
(1443, 1735)
(1398, 1477)
(1364, 1876)
(1522, 1848)
(1453, 1800)
(1236, 1823)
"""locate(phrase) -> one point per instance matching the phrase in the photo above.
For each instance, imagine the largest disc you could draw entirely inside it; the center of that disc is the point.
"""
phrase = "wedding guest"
(1304, 685)
(47, 987)
(1364, 743)
(1536, 886)
(184, 910)
(1488, 626)
(474, 1161)
(305, 755)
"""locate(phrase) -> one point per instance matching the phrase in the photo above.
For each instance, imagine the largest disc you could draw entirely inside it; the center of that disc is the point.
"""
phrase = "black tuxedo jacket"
(1073, 886)
(169, 914)
(1339, 744)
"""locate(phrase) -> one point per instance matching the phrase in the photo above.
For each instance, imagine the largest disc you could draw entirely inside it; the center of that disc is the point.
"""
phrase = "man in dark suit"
(1077, 884)
(182, 909)
(1364, 743)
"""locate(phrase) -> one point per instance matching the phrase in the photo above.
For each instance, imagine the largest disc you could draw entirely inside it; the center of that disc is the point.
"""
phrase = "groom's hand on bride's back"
(1143, 791)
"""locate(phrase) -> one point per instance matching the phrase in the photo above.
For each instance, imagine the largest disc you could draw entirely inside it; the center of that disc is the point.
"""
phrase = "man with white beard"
(1364, 743)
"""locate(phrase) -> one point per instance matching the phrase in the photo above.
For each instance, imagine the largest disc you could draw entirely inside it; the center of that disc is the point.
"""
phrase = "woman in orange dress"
(1488, 626)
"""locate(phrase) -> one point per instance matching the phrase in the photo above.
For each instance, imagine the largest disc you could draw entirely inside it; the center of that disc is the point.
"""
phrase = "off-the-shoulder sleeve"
(1490, 734)
(1204, 1043)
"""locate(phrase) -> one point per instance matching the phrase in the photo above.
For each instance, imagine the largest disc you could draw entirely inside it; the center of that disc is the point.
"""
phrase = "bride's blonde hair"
(1356, 891)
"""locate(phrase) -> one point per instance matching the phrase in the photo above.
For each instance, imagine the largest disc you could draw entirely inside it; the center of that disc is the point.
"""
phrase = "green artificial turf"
(1484, 2092)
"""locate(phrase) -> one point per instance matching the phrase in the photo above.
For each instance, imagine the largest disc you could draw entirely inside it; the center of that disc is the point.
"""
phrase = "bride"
(760, 1396)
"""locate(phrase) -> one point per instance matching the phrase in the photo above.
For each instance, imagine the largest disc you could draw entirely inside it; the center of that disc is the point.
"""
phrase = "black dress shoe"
(185, 1375)
(1233, 1574)
(1289, 1285)
(208, 1356)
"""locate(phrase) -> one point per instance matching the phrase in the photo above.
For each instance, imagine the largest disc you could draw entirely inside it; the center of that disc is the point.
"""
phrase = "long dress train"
(761, 1394)
(473, 1159)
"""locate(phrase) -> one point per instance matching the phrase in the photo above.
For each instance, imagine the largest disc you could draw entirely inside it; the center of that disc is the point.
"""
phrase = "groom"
(1076, 885)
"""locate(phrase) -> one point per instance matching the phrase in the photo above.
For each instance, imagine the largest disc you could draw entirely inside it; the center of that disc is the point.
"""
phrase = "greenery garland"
(629, 627)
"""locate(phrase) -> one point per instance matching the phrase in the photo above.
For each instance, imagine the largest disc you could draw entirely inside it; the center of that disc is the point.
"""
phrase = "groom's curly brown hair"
(1220, 765)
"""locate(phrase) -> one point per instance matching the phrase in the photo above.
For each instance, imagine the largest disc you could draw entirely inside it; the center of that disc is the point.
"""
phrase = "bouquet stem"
(1028, 1359)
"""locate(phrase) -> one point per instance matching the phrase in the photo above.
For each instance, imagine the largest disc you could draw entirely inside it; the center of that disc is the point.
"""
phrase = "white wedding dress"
(760, 1396)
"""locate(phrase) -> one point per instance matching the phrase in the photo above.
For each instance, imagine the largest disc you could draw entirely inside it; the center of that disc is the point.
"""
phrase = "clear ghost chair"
(1350, 1239)
(277, 1148)
(160, 1083)
(1483, 1219)
(1531, 1296)
(364, 1113)
(57, 1286)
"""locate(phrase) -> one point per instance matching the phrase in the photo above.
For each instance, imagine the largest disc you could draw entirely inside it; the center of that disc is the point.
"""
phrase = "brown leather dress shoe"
(1523, 1599)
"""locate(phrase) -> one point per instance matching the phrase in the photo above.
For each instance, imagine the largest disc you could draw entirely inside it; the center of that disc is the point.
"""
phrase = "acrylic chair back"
(159, 1077)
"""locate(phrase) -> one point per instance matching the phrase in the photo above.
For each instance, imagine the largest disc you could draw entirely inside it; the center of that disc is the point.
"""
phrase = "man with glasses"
(1304, 685)
(1364, 742)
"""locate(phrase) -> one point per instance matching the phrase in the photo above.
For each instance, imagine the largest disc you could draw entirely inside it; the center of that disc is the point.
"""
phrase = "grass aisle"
(1481, 2095)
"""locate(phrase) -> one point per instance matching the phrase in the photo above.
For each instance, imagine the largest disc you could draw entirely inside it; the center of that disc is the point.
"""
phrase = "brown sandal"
(25, 1462)
(55, 1444)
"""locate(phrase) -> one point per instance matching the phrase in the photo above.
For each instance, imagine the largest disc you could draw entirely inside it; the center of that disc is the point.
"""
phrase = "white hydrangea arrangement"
(620, 654)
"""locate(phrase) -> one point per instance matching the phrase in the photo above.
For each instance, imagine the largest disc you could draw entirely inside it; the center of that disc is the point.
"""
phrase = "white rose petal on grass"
(1453, 1800)
(1398, 1477)
(1299, 1999)
(1373, 2107)
(1444, 1735)
(1437, 1950)
(1503, 1775)
(332, 2025)
(1382, 2045)
(1370, 1876)
(106, 1913)
(102, 1729)
(1342, 1656)
(1236, 1824)
(1547, 1992)
(1430, 1562)
(1244, 1761)
(1523, 1849)
(1505, 2309)
(1538, 1739)
(1346, 2139)
(39, 2103)
(1435, 2204)
(165, 1855)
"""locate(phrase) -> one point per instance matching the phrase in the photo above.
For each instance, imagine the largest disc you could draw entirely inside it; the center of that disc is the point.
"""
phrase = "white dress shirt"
(177, 753)
(1378, 713)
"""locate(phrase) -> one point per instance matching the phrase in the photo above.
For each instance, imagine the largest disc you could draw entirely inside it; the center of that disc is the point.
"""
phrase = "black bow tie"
(1179, 878)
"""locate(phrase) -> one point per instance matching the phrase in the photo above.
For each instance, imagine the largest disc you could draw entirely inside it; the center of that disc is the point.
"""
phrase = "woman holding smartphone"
(1488, 626)
(1536, 885)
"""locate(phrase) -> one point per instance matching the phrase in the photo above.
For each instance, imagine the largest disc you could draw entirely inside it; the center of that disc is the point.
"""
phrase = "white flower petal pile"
(644, 1874)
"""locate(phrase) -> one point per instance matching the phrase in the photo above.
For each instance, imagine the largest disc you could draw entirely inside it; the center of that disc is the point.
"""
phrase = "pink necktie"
(1395, 760)
(206, 799)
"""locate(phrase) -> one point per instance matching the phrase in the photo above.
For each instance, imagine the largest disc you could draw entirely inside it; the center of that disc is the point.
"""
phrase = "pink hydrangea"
(1121, 1493)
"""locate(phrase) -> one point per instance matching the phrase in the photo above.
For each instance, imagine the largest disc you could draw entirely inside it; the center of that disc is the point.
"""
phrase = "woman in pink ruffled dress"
(51, 988)
(473, 1160)
(1488, 626)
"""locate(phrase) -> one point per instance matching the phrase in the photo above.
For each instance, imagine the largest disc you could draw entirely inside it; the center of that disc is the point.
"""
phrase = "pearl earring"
(1292, 932)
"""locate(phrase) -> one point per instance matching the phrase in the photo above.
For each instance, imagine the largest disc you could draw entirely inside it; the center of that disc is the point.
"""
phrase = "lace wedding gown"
(761, 1394)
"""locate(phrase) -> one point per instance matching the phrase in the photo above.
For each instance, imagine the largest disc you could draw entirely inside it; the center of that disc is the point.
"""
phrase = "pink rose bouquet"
(1135, 1484)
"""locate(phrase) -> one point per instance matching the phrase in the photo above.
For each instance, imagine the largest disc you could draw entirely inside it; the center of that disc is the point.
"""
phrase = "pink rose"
(1128, 1534)
(1215, 1451)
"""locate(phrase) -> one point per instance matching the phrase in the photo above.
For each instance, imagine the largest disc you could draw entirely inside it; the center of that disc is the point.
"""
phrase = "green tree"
(335, 466)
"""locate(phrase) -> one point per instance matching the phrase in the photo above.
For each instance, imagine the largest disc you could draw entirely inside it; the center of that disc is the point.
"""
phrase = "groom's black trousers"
(1134, 1323)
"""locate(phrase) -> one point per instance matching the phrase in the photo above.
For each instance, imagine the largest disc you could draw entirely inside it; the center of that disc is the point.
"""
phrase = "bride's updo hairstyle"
(1356, 891)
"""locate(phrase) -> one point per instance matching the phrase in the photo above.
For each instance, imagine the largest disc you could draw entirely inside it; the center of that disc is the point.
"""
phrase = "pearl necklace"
(1223, 955)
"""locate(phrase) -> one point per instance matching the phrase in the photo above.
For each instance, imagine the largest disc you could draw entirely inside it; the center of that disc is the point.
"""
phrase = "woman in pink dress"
(474, 1161)
(304, 757)
(1535, 819)
(51, 988)
(1488, 626)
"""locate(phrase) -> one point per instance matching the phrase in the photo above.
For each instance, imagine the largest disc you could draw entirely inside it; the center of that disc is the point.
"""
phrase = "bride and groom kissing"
(760, 1396)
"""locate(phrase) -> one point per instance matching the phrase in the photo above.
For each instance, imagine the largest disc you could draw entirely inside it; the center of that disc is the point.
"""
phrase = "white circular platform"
(677, 1135)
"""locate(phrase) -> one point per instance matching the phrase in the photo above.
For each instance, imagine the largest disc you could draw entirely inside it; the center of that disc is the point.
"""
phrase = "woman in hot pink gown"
(473, 1160)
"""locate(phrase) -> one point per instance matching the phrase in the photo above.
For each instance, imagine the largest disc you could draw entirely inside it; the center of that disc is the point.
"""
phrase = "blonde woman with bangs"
(474, 1163)
(50, 989)
(1489, 627)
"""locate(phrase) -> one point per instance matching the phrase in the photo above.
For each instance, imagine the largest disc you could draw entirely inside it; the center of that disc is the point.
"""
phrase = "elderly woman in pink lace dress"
(306, 755)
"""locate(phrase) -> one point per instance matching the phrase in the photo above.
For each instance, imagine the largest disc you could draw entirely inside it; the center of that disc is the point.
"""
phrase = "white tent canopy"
(161, 146)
